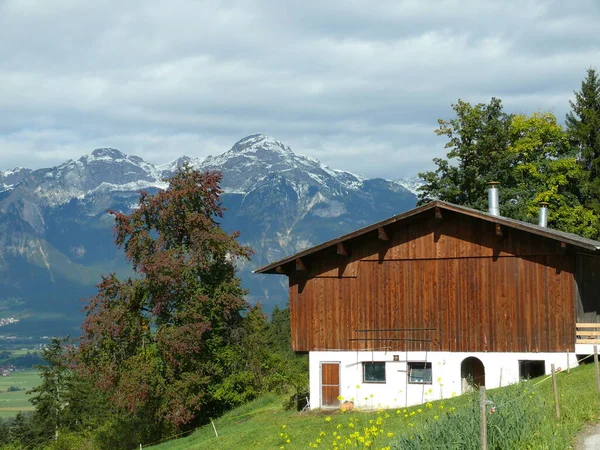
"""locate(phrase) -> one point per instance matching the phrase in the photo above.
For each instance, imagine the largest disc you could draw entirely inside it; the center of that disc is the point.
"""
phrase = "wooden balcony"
(588, 333)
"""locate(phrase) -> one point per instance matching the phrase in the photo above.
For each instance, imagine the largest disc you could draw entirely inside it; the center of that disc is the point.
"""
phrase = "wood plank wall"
(476, 290)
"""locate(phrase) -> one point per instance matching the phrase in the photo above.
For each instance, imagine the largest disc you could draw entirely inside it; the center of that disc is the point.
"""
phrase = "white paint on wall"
(501, 369)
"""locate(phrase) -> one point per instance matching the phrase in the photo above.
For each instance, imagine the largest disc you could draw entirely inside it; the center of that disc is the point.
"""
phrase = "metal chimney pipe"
(493, 199)
(543, 214)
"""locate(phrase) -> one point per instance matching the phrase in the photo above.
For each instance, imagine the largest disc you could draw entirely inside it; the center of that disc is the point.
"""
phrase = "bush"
(298, 400)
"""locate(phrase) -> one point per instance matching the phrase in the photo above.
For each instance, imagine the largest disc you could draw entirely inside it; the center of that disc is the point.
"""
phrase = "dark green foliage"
(49, 398)
(279, 329)
(64, 401)
(529, 155)
(478, 139)
(583, 127)
(295, 366)
(19, 432)
(30, 359)
(262, 359)
(4, 432)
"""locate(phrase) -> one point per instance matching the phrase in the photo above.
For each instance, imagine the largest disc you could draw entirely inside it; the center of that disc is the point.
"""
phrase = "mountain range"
(56, 238)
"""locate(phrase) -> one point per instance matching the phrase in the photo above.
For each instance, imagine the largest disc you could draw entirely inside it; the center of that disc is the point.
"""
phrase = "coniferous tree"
(4, 432)
(583, 127)
(49, 397)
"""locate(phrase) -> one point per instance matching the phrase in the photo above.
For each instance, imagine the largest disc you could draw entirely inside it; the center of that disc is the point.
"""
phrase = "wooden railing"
(588, 333)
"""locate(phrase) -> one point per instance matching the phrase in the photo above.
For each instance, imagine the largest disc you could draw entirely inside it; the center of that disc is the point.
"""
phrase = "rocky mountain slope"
(56, 237)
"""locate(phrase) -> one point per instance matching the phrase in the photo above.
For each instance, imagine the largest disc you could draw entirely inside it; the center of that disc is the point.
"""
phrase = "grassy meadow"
(520, 416)
(13, 402)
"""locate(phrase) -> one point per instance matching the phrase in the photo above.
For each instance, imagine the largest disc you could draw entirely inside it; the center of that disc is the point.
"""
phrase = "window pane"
(419, 373)
(374, 372)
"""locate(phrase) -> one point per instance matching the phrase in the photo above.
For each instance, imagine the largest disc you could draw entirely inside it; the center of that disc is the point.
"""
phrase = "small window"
(531, 369)
(374, 372)
(419, 373)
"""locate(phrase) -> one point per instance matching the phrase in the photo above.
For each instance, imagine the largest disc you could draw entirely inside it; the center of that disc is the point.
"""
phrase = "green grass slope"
(523, 417)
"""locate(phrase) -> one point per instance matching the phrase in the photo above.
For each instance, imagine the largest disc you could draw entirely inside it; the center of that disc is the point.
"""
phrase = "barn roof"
(568, 238)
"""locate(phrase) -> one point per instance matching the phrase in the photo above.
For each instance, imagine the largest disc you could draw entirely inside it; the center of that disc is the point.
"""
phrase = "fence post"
(596, 368)
(568, 362)
(483, 419)
(214, 428)
(555, 387)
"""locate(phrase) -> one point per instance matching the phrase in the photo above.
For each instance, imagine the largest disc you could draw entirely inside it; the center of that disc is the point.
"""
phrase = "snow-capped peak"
(168, 170)
(9, 172)
(248, 165)
(255, 142)
(411, 184)
(256, 157)
(105, 154)
(10, 178)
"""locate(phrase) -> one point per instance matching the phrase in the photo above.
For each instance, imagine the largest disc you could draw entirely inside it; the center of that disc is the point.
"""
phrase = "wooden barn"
(428, 303)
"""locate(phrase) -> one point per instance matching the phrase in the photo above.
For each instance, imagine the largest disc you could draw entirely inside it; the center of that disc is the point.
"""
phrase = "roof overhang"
(437, 205)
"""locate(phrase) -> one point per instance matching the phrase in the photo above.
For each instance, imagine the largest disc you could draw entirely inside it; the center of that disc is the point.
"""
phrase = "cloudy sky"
(357, 84)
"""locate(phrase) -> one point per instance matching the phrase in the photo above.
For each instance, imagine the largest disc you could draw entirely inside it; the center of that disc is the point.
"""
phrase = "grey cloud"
(357, 86)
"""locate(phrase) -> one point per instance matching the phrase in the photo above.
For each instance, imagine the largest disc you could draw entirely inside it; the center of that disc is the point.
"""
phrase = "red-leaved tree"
(153, 342)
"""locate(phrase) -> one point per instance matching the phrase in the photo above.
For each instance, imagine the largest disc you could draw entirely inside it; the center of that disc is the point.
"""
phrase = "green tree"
(64, 401)
(20, 432)
(4, 432)
(280, 330)
(583, 127)
(529, 155)
(293, 367)
(153, 343)
(543, 168)
(478, 139)
(50, 396)
(247, 362)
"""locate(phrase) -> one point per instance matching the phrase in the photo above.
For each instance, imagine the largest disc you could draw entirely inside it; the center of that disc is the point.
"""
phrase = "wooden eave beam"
(382, 234)
(438, 212)
(498, 230)
(300, 266)
(343, 249)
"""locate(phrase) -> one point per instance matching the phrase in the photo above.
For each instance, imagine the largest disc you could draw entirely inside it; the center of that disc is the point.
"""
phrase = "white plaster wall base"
(501, 369)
